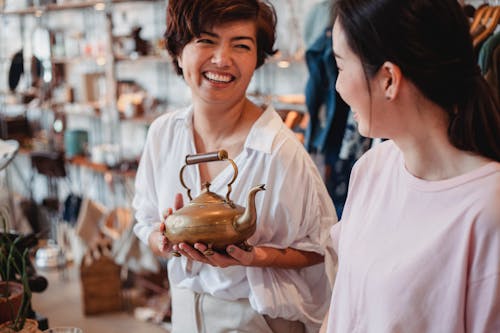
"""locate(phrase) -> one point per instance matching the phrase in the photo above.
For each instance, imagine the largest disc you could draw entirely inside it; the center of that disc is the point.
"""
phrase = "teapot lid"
(207, 196)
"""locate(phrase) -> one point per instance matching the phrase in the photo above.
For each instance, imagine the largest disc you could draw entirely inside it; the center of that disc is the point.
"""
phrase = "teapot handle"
(220, 155)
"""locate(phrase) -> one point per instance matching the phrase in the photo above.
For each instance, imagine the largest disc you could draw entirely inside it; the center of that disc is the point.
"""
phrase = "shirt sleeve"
(298, 214)
(145, 198)
(335, 235)
(483, 290)
(297, 210)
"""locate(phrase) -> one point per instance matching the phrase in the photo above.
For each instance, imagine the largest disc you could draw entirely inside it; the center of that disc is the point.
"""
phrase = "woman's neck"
(217, 127)
(433, 160)
(428, 152)
(419, 127)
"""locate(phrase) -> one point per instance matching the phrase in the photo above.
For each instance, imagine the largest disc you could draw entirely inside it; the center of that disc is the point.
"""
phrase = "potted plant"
(15, 292)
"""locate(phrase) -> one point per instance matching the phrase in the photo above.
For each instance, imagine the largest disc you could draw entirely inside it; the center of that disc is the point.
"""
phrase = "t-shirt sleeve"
(483, 290)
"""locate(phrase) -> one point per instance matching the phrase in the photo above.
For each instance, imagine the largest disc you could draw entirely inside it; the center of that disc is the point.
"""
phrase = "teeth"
(218, 77)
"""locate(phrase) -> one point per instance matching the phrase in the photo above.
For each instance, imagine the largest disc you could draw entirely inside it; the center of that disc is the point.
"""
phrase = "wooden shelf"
(67, 6)
(76, 59)
(85, 162)
(141, 119)
(26, 11)
(148, 58)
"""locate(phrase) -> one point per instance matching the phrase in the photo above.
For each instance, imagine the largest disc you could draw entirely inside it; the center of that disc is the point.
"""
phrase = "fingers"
(167, 212)
(158, 243)
(162, 243)
(243, 257)
(235, 256)
(178, 202)
(190, 252)
(202, 248)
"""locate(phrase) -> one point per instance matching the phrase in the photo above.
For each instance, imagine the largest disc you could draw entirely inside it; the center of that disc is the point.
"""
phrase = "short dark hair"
(430, 41)
(186, 19)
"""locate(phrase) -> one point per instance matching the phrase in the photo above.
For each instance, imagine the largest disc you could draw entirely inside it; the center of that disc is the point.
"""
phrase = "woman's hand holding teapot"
(234, 256)
(258, 256)
(158, 243)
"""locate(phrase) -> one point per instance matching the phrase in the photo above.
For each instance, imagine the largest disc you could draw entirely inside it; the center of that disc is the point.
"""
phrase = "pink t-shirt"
(417, 256)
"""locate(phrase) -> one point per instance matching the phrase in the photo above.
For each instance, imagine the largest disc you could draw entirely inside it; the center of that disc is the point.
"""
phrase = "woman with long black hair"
(419, 240)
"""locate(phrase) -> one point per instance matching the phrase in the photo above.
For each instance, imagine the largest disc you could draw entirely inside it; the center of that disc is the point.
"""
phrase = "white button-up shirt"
(295, 211)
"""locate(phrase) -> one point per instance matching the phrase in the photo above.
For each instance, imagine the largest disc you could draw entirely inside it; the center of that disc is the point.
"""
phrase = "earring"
(387, 97)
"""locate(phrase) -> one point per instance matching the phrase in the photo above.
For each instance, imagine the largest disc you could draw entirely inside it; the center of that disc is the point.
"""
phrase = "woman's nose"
(221, 56)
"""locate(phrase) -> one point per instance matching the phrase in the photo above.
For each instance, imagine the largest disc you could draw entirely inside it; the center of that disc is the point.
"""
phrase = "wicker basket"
(101, 283)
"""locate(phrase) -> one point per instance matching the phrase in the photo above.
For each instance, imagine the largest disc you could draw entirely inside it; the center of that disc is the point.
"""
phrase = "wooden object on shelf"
(16, 127)
(486, 20)
(117, 222)
(100, 280)
(91, 87)
(87, 225)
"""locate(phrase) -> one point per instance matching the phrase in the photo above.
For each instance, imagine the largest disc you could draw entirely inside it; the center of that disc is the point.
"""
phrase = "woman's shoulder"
(382, 155)
(483, 205)
(284, 136)
(489, 183)
(270, 135)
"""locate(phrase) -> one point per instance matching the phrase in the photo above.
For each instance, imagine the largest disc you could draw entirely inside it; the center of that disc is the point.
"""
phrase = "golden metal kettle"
(210, 218)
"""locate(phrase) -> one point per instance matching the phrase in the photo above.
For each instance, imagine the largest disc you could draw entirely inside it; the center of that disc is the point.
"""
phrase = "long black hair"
(430, 41)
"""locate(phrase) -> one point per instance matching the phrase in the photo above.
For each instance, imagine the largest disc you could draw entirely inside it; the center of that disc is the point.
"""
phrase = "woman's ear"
(390, 79)
(179, 61)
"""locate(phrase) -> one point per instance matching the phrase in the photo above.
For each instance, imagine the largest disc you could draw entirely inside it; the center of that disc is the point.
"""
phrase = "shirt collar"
(185, 115)
(262, 133)
(264, 130)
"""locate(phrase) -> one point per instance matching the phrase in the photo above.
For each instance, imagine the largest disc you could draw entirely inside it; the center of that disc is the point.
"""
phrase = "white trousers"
(203, 313)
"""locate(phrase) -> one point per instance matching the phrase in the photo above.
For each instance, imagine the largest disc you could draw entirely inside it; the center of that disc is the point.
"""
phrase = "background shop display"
(82, 80)
(87, 77)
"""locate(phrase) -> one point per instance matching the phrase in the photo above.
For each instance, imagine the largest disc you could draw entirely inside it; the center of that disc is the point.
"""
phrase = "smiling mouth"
(218, 78)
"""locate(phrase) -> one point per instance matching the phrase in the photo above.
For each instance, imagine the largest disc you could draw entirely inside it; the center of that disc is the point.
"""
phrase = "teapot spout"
(249, 216)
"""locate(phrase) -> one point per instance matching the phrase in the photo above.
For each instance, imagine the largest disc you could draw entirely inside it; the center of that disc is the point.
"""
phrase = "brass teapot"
(210, 218)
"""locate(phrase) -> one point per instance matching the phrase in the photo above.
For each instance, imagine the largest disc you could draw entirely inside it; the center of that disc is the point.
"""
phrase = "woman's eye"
(243, 46)
(204, 41)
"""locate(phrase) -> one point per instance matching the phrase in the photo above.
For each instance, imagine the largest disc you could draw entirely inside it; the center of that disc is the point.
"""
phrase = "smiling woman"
(280, 284)
(219, 65)
(182, 28)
